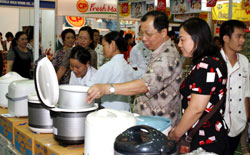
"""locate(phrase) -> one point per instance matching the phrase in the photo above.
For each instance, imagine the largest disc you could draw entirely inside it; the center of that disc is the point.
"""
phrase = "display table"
(17, 139)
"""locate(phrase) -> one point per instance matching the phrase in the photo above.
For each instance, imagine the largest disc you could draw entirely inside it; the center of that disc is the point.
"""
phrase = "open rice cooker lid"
(46, 82)
(57, 109)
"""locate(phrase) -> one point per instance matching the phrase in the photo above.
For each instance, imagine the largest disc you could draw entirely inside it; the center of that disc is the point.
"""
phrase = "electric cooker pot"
(68, 115)
(17, 96)
(39, 116)
(143, 140)
(102, 127)
(73, 97)
(5, 80)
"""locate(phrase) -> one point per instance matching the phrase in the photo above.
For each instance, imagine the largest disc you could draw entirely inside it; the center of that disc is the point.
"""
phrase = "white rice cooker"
(17, 96)
(68, 108)
(101, 129)
(5, 80)
(39, 116)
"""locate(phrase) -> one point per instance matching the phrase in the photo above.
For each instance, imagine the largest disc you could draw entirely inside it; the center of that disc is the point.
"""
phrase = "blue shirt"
(117, 70)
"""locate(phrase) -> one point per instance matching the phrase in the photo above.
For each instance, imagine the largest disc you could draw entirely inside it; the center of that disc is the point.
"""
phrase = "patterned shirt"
(206, 78)
(100, 55)
(163, 78)
(58, 60)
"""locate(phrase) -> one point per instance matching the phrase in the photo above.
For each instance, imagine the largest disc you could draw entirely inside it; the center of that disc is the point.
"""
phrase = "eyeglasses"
(83, 38)
(147, 35)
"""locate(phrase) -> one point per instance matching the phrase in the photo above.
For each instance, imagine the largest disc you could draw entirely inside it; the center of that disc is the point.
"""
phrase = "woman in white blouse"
(116, 70)
(81, 71)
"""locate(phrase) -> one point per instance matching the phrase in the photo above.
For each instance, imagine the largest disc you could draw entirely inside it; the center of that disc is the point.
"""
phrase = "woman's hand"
(172, 135)
(97, 91)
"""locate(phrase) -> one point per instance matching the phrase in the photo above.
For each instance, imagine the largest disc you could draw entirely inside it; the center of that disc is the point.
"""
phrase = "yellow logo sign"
(82, 6)
(75, 21)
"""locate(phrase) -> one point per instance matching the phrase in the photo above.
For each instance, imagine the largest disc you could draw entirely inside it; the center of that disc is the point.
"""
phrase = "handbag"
(184, 144)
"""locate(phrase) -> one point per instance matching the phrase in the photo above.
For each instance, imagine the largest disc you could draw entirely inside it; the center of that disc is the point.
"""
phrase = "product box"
(9, 123)
(49, 146)
(25, 140)
(69, 150)
(2, 111)
(42, 144)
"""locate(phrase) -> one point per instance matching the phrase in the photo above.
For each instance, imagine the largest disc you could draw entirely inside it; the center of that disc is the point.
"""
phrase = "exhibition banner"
(89, 8)
(185, 6)
(138, 9)
(27, 3)
(220, 12)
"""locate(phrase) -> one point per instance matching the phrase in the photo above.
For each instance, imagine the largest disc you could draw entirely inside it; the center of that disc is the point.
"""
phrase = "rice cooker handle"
(137, 132)
(16, 99)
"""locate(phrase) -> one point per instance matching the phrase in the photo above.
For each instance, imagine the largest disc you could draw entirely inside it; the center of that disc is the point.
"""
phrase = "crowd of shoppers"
(115, 70)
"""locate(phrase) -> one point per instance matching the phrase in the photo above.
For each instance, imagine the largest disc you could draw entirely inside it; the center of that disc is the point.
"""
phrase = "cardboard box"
(42, 144)
(2, 111)
(9, 124)
(49, 146)
(69, 150)
(25, 140)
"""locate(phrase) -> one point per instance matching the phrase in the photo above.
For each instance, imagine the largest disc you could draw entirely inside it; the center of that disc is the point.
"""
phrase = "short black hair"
(17, 36)
(81, 54)
(64, 32)
(119, 40)
(160, 19)
(227, 28)
(171, 33)
(202, 37)
(9, 34)
(95, 30)
(90, 32)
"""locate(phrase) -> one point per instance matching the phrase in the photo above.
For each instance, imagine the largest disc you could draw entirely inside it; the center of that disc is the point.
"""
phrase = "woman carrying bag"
(202, 90)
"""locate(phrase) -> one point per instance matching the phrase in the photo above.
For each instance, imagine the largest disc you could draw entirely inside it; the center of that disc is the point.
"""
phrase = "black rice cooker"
(68, 108)
(143, 140)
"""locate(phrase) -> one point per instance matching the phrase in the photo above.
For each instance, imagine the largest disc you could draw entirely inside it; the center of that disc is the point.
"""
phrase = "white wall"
(9, 20)
(47, 19)
(13, 19)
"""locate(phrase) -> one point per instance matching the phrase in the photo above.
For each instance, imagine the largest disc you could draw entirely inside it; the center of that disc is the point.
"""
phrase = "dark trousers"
(233, 143)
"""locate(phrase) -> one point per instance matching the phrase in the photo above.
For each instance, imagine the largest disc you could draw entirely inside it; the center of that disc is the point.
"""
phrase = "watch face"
(112, 89)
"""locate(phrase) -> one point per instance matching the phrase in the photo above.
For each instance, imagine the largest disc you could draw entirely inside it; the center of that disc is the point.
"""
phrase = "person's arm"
(247, 107)
(191, 115)
(9, 65)
(61, 71)
(128, 89)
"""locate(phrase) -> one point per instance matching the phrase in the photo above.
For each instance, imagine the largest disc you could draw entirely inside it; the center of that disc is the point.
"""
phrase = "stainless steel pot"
(69, 126)
(73, 97)
(39, 117)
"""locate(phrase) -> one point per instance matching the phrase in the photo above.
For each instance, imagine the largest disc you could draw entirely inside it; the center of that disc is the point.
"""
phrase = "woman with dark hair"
(114, 71)
(203, 88)
(63, 74)
(129, 42)
(85, 39)
(20, 58)
(81, 71)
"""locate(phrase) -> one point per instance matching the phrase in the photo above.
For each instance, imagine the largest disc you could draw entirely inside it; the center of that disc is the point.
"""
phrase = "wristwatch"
(112, 88)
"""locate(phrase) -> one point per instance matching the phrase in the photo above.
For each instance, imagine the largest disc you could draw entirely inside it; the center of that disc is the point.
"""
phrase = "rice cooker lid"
(46, 82)
(11, 76)
(57, 109)
(157, 122)
(143, 139)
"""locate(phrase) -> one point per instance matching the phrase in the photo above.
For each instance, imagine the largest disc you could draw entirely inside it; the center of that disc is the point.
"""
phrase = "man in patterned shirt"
(159, 86)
